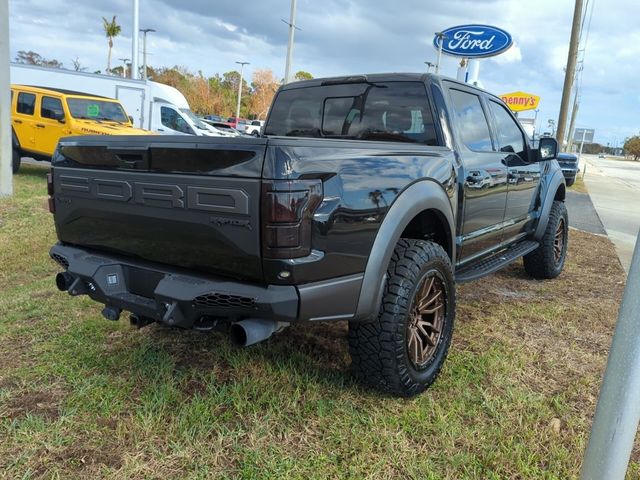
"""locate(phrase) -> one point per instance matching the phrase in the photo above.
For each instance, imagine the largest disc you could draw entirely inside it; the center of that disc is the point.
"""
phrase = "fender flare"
(557, 179)
(14, 140)
(420, 196)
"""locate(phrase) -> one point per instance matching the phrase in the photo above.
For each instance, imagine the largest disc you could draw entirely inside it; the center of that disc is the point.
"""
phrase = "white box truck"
(151, 105)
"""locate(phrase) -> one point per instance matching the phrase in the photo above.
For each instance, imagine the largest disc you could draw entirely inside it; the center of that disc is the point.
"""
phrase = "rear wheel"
(16, 160)
(548, 259)
(403, 349)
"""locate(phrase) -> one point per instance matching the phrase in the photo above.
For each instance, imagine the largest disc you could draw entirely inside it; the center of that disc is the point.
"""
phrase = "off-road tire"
(16, 160)
(379, 348)
(570, 182)
(544, 261)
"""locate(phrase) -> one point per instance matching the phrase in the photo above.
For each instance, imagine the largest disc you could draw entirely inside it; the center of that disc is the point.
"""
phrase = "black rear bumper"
(167, 295)
(180, 298)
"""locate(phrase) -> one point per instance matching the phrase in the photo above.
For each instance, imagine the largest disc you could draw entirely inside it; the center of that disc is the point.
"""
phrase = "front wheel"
(548, 259)
(402, 351)
(16, 160)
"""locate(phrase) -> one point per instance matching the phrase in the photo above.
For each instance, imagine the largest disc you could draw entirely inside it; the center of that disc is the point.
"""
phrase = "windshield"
(194, 118)
(94, 109)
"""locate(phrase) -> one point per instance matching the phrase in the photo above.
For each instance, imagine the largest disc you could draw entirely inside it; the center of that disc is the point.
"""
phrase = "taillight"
(287, 214)
(51, 201)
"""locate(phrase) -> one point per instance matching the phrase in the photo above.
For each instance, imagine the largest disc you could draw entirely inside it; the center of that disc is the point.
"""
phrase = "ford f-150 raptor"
(365, 199)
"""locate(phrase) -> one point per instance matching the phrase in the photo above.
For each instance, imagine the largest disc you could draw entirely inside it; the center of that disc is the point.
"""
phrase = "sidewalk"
(614, 191)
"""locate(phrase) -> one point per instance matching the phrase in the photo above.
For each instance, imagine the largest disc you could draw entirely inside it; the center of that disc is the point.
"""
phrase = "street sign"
(520, 101)
(473, 41)
(588, 134)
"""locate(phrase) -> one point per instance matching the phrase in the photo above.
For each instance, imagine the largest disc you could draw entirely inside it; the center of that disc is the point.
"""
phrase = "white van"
(151, 105)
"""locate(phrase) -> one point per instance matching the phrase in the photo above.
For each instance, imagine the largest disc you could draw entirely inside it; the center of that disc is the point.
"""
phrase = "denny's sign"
(521, 101)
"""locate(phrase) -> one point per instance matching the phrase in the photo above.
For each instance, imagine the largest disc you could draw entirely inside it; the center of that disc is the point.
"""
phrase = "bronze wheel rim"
(426, 320)
(558, 242)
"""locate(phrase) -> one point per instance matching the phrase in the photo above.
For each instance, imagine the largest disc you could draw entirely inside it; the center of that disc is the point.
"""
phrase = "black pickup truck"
(366, 199)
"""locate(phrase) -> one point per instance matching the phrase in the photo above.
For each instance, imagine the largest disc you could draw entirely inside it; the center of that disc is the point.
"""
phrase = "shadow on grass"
(34, 171)
(302, 356)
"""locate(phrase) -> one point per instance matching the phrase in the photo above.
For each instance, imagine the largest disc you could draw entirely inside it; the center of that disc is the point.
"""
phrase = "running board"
(495, 262)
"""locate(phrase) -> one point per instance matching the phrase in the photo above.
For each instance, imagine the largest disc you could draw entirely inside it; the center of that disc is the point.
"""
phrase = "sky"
(341, 37)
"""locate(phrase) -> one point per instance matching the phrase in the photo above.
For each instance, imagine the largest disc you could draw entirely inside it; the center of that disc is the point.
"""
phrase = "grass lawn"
(579, 185)
(82, 397)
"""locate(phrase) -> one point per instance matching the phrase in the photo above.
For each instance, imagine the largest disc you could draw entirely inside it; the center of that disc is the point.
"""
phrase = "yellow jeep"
(41, 116)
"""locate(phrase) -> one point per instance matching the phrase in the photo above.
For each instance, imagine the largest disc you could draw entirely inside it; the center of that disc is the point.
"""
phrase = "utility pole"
(6, 173)
(570, 72)
(572, 123)
(242, 64)
(441, 36)
(135, 35)
(144, 50)
(292, 29)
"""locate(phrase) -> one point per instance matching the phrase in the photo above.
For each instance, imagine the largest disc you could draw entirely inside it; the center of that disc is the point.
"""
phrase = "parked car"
(570, 168)
(152, 106)
(214, 118)
(237, 123)
(41, 116)
(254, 127)
(353, 205)
(223, 127)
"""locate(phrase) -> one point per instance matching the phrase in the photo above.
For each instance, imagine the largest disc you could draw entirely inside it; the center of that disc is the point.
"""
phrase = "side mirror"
(547, 149)
(131, 119)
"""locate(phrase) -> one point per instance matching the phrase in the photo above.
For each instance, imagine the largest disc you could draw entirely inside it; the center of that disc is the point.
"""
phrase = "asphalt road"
(614, 187)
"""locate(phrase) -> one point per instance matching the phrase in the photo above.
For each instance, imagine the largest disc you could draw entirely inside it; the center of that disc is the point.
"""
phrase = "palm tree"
(111, 30)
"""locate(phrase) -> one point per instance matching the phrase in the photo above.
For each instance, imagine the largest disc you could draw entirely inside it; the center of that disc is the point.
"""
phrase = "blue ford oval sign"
(474, 41)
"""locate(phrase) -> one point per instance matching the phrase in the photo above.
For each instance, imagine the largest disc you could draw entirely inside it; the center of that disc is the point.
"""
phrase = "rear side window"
(26, 103)
(391, 111)
(474, 128)
(510, 137)
(51, 108)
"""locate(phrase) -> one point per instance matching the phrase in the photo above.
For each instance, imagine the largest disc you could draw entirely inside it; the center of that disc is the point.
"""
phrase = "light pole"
(292, 29)
(135, 35)
(6, 174)
(144, 50)
(242, 64)
(441, 36)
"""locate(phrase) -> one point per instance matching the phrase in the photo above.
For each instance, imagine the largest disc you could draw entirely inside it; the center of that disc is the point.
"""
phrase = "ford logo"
(473, 41)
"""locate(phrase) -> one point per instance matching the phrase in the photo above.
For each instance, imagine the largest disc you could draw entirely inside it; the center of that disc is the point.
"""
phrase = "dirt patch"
(38, 403)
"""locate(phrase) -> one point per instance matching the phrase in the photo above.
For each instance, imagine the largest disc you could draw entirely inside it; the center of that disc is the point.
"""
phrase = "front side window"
(26, 103)
(173, 120)
(510, 137)
(51, 108)
(472, 122)
(391, 111)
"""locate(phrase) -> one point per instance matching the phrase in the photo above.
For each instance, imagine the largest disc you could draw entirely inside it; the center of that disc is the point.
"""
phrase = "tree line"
(217, 94)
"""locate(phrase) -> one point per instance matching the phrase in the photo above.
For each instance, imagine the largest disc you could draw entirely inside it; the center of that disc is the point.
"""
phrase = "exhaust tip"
(250, 331)
(63, 281)
(238, 335)
(111, 313)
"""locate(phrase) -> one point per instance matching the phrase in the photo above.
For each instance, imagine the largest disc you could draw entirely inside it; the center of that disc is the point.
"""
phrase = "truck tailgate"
(173, 200)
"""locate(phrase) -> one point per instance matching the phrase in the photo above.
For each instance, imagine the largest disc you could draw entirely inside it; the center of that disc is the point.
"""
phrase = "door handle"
(39, 125)
(15, 120)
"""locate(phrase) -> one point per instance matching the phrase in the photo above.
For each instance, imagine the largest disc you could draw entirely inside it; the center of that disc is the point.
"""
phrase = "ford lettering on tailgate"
(162, 195)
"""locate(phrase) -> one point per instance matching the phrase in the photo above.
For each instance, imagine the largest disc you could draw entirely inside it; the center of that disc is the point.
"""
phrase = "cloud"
(340, 37)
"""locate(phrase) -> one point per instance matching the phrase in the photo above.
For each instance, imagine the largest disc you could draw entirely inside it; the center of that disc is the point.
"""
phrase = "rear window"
(392, 111)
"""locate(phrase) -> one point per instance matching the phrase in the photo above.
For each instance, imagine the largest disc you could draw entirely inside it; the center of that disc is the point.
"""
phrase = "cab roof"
(60, 90)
